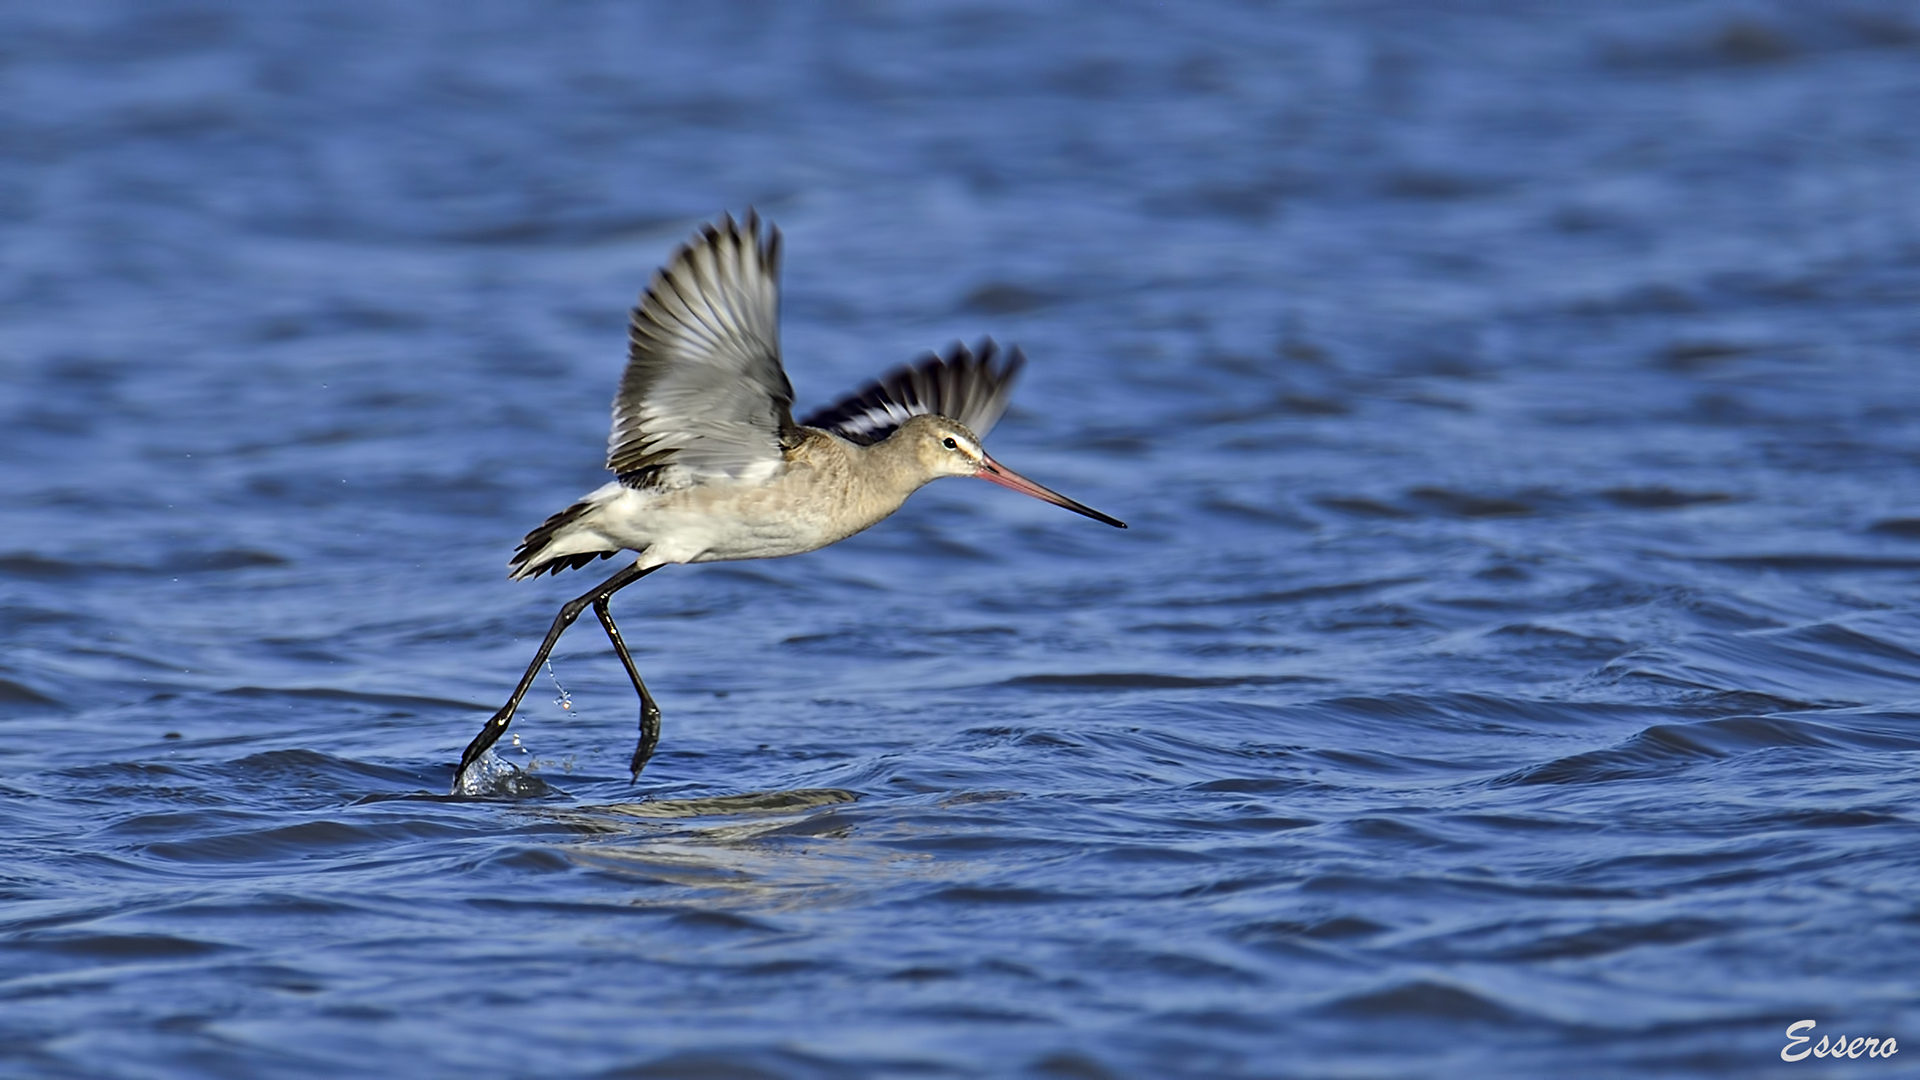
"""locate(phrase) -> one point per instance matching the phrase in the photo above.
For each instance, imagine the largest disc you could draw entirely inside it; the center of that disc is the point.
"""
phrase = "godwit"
(710, 466)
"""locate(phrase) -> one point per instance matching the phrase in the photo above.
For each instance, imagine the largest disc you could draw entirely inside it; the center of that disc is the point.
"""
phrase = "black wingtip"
(766, 242)
(1016, 361)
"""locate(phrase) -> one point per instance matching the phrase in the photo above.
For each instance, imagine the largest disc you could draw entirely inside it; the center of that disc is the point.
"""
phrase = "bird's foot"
(470, 775)
(649, 738)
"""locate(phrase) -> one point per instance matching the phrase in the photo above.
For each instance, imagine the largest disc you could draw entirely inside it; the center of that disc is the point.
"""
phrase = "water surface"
(1513, 667)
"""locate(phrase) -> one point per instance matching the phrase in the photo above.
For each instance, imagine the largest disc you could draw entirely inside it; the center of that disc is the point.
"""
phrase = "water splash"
(491, 776)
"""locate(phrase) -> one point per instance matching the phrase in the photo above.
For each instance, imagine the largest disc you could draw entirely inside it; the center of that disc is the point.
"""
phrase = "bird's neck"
(893, 471)
(858, 486)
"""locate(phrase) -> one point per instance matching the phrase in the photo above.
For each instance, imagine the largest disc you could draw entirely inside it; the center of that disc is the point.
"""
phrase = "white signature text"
(1830, 1047)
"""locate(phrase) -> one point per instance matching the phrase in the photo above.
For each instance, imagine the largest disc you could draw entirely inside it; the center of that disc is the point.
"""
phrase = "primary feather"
(704, 396)
(962, 384)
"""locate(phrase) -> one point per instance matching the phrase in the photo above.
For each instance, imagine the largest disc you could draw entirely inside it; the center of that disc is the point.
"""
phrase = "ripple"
(1470, 504)
(1817, 562)
(1603, 940)
(747, 804)
(1834, 661)
(17, 697)
(1423, 1000)
(34, 566)
(1665, 748)
(306, 840)
(1140, 680)
(323, 693)
(114, 947)
(1657, 497)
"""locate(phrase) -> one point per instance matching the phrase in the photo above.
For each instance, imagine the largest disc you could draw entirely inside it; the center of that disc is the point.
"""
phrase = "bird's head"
(944, 447)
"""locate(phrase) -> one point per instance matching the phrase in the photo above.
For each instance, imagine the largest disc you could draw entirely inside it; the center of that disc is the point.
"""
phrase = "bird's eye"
(949, 443)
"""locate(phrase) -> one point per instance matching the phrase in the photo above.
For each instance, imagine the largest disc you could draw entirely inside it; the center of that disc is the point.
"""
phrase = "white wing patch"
(961, 384)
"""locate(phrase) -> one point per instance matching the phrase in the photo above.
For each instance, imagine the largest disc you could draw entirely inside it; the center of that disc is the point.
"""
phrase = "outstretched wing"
(963, 384)
(704, 396)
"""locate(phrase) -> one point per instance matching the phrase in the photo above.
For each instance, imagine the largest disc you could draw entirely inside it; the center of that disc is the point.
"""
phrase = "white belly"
(715, 523)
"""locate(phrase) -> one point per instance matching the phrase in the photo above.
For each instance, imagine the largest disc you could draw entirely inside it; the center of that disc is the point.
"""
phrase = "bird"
(709, 464)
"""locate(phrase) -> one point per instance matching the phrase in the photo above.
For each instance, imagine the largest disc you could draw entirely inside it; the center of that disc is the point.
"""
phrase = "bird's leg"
(649, 712)
(497, 726)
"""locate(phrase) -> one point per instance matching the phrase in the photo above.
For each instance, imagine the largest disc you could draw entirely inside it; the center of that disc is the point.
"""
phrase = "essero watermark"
(1829, 1046)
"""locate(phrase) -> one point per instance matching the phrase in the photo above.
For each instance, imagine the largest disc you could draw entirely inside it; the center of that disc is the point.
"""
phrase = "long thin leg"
(649, 712)
(497, 726)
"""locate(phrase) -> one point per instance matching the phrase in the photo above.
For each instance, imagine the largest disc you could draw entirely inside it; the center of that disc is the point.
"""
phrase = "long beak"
(995, 473)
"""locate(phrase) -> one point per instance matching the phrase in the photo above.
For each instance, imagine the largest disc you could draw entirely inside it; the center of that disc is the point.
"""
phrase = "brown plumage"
(710, 466)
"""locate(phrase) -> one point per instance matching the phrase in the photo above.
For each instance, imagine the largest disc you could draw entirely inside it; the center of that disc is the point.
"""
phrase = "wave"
(1667, 748)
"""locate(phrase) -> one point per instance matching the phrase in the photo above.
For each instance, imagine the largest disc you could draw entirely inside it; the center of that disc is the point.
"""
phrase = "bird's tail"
(556, 546)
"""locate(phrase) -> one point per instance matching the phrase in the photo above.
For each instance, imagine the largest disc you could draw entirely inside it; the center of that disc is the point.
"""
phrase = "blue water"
(1513, 667)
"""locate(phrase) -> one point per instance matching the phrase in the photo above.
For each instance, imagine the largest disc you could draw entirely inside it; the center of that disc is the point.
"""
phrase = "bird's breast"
(821, 495)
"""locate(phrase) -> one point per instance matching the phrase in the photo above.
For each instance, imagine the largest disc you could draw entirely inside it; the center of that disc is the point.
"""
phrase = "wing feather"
(704, 396)
(961, 384)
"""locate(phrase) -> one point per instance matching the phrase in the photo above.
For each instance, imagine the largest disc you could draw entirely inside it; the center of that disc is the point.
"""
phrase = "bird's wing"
(704, 396)
(962, 384)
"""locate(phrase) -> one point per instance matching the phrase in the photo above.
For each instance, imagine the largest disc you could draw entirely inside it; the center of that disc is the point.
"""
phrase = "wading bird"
(709, 465)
